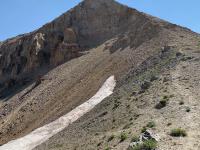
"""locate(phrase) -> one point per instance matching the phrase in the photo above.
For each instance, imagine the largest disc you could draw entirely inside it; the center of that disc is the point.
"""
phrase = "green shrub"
(108, 148)
(151, 124)
(165, 97)
(143, 129)
(135, 139)
(178, 132)
(146, 145)
(123, 136)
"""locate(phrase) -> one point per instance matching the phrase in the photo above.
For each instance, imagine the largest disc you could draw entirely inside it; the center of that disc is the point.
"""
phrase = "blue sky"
(21, 16)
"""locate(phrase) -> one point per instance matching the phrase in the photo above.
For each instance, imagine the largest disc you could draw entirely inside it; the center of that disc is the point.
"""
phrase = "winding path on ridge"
(42, 134)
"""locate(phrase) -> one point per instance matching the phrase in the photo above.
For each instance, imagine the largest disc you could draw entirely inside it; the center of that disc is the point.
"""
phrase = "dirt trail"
(42, 134)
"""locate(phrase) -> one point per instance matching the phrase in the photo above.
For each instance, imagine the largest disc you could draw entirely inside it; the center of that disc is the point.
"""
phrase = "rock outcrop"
(64, 38)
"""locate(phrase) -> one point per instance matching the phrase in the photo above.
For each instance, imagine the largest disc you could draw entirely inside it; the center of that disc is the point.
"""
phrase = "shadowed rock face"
(91, 23)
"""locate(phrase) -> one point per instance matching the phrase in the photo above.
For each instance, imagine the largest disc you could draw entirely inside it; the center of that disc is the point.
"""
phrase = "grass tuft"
(178, 132)
(123, 136)
(146, 145)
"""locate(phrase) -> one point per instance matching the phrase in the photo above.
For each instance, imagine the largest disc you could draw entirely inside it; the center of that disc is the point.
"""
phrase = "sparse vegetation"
(146, 145)
(123, 136)
(145, 85)
(186, 58)
(153, 78)
(108, 148)
(178, 132)
(188, 109)
(165, 97)
(58, 145)
(181, 103)
(116, 104)
(127, 125)
(151, 124)
(161, 104)
(143, 129)
(169, 124)
(135, 138)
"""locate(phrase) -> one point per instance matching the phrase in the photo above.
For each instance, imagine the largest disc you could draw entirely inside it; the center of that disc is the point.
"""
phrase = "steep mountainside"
(46, 73)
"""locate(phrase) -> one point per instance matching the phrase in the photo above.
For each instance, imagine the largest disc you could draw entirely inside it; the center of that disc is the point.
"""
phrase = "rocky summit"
(47, 73)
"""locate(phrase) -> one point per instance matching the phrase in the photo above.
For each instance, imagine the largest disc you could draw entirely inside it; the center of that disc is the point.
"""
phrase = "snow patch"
(42, 134)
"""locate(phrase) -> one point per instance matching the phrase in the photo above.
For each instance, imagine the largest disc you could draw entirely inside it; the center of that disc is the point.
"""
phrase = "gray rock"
(147, 135)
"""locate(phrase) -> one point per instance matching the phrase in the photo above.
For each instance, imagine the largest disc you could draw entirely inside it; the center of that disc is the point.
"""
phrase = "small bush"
(161, 104)
(153, 78)
(108, 148)
(188, 109)
(178, 132)
(135, 139)
(151, 124)
(165, 97)
(116, 105)
(123, 136)
(146, 145)
(143, 129)
(145, 85)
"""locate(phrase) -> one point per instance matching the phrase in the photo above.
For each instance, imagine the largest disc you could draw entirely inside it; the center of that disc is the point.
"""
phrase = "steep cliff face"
(90, 23)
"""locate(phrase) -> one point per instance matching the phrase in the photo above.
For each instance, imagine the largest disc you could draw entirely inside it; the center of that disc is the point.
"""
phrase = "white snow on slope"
(42, 134)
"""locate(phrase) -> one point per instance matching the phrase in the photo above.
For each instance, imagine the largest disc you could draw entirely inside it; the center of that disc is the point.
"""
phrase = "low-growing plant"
(165, 97)
(161, 104)
(143, 129)
(181, 102)
(135, 139)
(123, 136)
(59, 145)
(108, 148)
(151, 124)
(146, 145)
(178, 132)
(116, 105)
(188, 109)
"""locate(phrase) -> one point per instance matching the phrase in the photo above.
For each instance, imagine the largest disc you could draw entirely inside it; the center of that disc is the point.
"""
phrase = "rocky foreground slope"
(46, 73)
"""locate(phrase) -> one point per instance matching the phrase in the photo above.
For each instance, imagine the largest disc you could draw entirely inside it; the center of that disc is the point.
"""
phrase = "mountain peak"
(97, 3)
